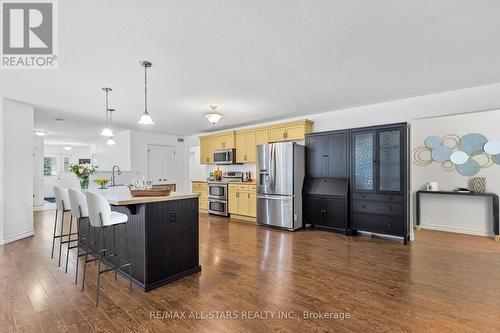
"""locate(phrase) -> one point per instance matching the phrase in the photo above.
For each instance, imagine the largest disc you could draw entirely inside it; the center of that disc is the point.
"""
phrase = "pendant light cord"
(145, 90)
(107, 112)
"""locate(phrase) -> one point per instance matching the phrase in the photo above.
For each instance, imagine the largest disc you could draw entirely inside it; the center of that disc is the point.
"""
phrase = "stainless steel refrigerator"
(280, 175)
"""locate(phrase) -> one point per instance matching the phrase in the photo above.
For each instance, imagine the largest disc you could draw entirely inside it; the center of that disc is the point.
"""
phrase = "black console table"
(493, 196)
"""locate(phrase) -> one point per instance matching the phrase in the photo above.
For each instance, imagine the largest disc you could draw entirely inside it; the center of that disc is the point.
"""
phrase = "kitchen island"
(163, 235)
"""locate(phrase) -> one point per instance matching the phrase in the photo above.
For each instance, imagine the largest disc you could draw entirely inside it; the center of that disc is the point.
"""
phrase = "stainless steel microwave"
(225, 156)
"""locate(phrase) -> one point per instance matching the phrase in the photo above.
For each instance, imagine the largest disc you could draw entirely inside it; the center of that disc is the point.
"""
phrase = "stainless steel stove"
(218, 192)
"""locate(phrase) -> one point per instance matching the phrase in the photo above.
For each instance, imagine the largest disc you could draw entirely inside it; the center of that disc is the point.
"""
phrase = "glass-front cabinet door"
(389, 160)
(364, 166)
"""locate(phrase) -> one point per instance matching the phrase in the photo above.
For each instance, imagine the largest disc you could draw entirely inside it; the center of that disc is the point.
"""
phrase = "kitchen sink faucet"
(118, 172)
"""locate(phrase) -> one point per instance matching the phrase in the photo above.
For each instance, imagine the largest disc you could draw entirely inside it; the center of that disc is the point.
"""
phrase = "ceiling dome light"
(213, 116)
(68, 148)
(145, 117)
(111, 141)
(40, 133)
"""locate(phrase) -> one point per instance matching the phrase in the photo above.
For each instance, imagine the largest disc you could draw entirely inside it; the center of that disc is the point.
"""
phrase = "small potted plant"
(83, 172)
(103, 182)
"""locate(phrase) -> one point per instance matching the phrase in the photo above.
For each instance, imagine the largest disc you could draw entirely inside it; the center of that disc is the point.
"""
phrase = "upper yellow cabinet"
(245, 147)
(245, 141)
(209, 143)
(290, 131)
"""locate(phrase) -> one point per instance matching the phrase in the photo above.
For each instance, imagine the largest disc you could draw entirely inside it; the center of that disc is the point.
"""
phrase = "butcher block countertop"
(120, 196)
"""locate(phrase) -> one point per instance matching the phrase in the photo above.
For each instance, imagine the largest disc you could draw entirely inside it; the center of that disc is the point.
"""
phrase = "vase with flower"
(83, 173)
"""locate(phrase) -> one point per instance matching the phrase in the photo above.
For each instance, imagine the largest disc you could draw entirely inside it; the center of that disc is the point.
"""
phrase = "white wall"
(16, 169)
(119, 154)
(481, 98)
(38, 154)
(457, 214)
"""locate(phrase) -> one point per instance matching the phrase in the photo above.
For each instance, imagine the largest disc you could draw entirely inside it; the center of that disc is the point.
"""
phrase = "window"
(49, 166)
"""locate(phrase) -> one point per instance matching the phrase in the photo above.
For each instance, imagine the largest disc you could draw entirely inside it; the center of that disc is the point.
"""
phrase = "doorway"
(161, 163)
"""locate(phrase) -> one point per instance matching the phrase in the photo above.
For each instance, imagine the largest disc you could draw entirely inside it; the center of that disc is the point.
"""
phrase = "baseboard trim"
(457, 230)
(244, 218)
(19, 236)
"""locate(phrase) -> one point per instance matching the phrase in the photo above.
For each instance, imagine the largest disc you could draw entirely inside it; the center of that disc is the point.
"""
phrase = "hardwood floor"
(441, 282)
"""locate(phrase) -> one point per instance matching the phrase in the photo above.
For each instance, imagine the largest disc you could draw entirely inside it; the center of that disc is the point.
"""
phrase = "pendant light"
(213, 116)
(145, 117)
(111, 141)
(107, 130)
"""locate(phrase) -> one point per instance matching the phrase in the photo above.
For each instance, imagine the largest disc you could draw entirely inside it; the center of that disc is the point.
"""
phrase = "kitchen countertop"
(120, 195)
(253, 182)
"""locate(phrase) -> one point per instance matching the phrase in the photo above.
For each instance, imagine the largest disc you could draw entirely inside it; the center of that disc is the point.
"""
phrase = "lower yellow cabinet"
(202, 189)
(242, 200)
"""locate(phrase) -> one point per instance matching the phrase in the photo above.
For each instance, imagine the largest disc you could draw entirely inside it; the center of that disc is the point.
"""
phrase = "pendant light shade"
(106, 131)
(213, 116)
(146, 117)
(111, 141)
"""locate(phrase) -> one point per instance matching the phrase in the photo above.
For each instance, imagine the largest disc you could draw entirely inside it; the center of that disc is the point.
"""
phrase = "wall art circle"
(448, 166)
(450, 140)
(472, 143)
(492, 147)
(432, 141)
(459, 157)
(488, 161)
(496, 159)
(470, 168)
(418, 159)
(441, 154)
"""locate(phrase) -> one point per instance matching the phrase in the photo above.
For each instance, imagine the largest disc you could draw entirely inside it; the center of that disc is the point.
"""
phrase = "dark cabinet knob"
(364, 196)
(390, 208)
(364, 206)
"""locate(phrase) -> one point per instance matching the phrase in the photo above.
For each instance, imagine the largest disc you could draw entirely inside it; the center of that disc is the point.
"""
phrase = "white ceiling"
(258, 60)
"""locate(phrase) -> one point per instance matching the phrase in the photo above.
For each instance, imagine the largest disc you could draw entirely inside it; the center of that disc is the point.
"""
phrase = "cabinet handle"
(223, 145)
(248, 195)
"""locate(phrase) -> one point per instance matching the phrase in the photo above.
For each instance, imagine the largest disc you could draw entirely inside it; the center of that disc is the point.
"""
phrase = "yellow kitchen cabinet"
(277, 134)
(206, 154)
(223, 141)
(245, 147)
(252, 210)
(202, 189)
(262, 137)
(242, 201)
(291, 131)
(233, 200)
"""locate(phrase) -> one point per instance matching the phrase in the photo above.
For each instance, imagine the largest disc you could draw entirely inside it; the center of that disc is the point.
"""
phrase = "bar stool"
(79, 211)
(101, 217)
(63, 205)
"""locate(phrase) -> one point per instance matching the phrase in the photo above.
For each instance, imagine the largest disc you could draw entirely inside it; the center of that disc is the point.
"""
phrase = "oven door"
(222, 157)
(217, 191)
(217, 207)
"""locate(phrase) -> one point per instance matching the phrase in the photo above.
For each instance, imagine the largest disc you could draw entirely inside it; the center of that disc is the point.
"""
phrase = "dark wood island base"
(163, 239)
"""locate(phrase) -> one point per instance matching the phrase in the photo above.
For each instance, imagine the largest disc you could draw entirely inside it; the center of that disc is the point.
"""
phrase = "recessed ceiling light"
(40, 133)
(60, 120)
(67, 148)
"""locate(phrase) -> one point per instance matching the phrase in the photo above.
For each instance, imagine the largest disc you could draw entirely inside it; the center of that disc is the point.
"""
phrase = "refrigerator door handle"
(267, 197)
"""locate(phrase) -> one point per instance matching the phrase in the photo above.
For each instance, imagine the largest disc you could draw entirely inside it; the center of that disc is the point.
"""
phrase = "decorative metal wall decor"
(467, 154)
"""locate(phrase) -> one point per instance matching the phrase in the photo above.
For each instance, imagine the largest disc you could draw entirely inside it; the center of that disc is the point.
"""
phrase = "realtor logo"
(28, 34)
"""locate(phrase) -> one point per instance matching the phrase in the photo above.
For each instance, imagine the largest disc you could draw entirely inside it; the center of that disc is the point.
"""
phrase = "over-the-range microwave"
(225, 156)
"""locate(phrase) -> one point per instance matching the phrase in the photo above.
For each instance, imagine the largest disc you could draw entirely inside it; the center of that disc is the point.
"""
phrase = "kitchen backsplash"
(234, 167)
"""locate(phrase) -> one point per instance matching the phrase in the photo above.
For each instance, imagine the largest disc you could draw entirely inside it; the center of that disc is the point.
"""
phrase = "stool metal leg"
(99, 259)
(54, 236)
(69, 242)
(84, 269)
(114, 249)
(78, 223)
(61, 238)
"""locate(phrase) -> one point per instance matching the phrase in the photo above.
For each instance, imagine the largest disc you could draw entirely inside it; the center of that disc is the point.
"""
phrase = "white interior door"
(161, 163)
